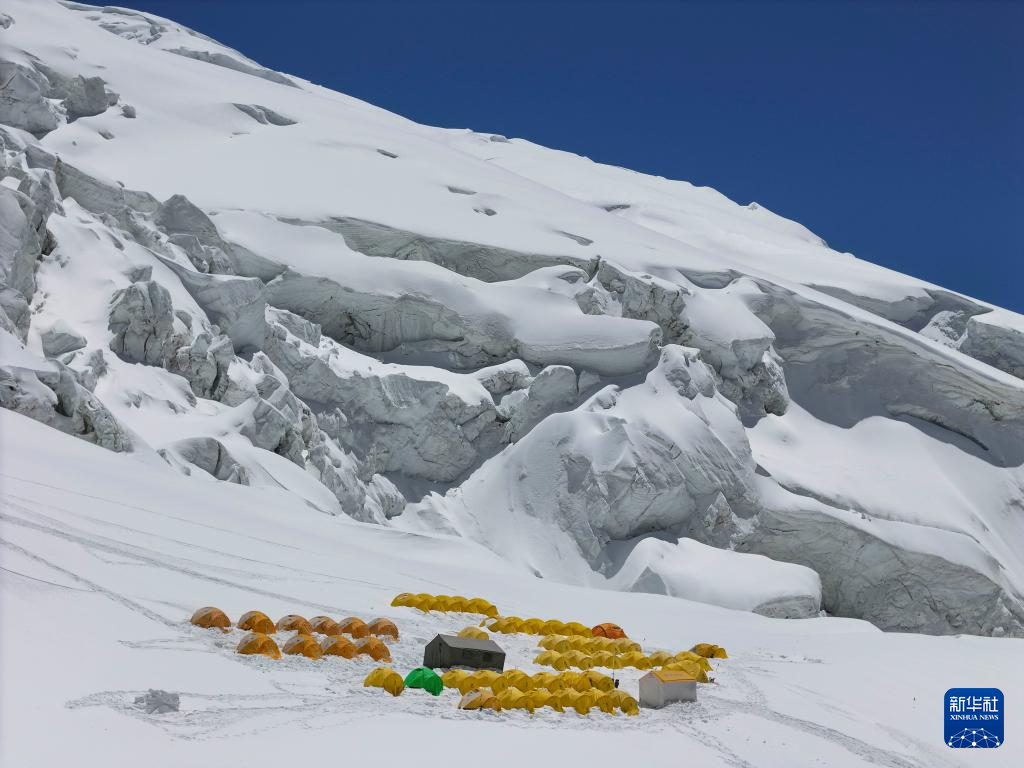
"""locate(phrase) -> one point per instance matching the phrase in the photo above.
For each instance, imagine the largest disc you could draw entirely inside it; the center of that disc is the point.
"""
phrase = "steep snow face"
(609, 379)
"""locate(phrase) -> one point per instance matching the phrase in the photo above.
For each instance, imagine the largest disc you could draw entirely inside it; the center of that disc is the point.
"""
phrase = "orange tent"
(258, 644)
(256, 621)
(293, 622)
(374, 648)
(336, 645)
(383, 627)
(303, 645)
(609, 630)
(211, 618)
(355, 627)
(325, 625)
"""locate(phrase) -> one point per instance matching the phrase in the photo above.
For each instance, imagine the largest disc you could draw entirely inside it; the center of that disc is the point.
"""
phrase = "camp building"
(452, 651)
(662, 686)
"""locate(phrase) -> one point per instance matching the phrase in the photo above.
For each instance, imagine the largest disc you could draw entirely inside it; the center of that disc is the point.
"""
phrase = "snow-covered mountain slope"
(105, 559)
(610, 380)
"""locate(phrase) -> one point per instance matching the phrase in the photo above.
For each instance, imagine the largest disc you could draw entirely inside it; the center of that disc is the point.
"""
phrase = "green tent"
(425, 678)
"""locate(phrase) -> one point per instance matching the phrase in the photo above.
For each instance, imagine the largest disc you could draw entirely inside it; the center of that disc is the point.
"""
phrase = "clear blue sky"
(893, 130)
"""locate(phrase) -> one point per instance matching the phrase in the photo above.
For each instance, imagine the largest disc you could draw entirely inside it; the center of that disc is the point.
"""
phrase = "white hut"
(662, 686)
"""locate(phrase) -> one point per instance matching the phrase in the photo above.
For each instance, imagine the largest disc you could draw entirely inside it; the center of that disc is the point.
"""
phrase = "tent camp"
(452, 651)
(663, 686)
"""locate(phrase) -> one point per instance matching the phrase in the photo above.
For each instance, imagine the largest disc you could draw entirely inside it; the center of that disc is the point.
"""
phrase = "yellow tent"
(374, 648)
(600, 681)
(475, 633)
(383, 627)
(211, 618)
(547, 658)
(625, 645)
(386, 678)
(581, 683)
(635, 659)
(482, 678)
(258, 644)
(531, 626)
(325, 625)
(354, 626)
(575, 628)
(581, 702)
(692, 668)
(710, 651)
(513, 698)
(479, 698)
(578, 659)
(303, 645)
(605, 659)
(691, 656)
(458, 603)
(542, 680)
(423, 601)
(256, 621)
(337, 645)
(622, 700)
(564, 644)
(552, 627)
(404, 600)
(479, 605)
(538, 698)
(291, 622)
(517, 678)
(548, 642)
(660, 658)
(454, 678)
(441, 603)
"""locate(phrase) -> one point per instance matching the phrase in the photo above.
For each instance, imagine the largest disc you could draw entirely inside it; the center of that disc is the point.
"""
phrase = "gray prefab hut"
(452, 651)
(663, 686)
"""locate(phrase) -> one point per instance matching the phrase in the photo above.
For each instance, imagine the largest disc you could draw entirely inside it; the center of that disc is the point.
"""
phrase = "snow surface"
(104, 562)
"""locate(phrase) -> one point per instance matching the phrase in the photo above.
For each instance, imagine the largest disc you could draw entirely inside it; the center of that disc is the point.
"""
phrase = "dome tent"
(303, 645)
(425, 678)
(479, 698)
(609, 630)
(296, 623)
(337, 645)
(383, 627)
(455, 678)
(702, 662)
(354, 626)
(256, 621)
(386, 678)
(475, 633)
(325, 625)
(211, 618)
(710, 651)
(374, 648)
(258, 644)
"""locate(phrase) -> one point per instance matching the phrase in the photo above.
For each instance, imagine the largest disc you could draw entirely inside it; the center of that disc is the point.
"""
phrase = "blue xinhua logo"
(974, 718)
